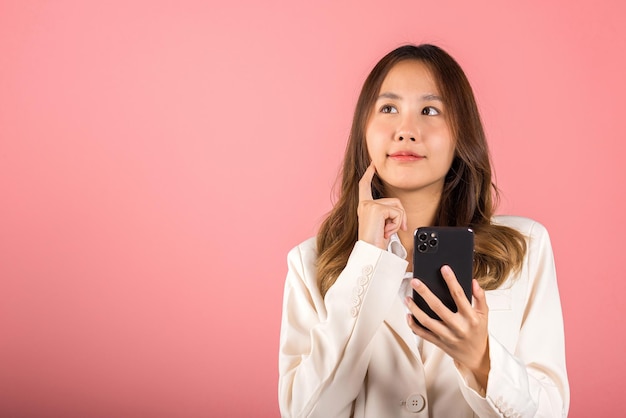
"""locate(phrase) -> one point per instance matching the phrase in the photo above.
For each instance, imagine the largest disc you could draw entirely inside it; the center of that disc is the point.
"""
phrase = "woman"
(417, 156)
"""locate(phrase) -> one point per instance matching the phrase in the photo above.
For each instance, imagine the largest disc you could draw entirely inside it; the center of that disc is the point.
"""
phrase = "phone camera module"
(433, 242)
(423, 236)
(423, 247)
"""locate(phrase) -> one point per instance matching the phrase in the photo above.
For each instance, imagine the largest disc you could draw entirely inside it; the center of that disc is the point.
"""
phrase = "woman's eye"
(430, 111)
(388, 109)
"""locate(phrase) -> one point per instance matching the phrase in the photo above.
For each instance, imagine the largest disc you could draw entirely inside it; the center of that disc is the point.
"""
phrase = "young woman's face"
(407, 135)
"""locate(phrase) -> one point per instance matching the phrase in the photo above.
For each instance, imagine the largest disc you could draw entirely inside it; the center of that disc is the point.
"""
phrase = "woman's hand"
(380, 218)
(462, 335)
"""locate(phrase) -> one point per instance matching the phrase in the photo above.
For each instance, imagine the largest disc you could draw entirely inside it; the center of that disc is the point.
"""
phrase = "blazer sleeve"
(531, 381)
(324, 342)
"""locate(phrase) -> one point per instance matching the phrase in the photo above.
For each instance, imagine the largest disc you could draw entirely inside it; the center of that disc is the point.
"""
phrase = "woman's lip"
(405, 156)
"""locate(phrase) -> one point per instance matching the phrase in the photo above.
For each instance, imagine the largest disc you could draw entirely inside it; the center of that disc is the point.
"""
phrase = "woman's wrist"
(481, 373)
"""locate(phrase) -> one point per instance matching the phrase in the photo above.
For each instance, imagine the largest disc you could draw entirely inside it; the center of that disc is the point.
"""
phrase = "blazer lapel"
(396, 321)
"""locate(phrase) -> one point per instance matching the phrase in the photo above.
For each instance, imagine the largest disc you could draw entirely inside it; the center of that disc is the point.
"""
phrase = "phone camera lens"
(433, 242)
(423, 247)
(423, 236)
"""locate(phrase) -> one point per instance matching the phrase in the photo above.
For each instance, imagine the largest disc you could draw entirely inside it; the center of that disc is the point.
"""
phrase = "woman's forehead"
(409, 76)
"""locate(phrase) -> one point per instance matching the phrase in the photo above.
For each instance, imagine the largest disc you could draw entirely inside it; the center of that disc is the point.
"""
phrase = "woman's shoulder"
(309, 245)
(304, 253)
(526, 226)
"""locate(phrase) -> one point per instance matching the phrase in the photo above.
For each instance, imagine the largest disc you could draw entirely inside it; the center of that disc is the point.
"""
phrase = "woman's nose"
(409, 133)
(408, 129)
(409, 137)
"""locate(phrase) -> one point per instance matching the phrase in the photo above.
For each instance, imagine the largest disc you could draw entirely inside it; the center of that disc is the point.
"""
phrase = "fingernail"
(446, 269)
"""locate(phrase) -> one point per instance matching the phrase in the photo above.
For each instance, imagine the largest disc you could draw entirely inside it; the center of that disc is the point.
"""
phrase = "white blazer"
(353, 354)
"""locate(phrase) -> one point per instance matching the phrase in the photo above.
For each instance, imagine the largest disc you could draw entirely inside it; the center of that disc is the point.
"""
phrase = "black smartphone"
(435, 247)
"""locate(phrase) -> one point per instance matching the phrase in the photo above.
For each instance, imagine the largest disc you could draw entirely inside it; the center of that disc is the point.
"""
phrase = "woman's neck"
(421, 208)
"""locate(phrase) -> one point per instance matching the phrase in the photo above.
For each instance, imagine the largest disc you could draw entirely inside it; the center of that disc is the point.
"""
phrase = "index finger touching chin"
(365, 184)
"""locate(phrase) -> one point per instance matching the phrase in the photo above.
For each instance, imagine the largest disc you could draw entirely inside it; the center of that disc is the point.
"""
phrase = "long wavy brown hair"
(469, 196)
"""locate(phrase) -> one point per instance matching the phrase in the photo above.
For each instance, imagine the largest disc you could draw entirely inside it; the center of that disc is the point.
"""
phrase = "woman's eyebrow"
(432, 97)
(394, 96)
(389, 95)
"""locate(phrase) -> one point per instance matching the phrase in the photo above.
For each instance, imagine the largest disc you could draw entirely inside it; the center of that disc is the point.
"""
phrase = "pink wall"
(158, 159)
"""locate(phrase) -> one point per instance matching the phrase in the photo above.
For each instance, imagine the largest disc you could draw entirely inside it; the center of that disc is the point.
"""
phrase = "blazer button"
(367, 270)
(415, 403)
(354, 311)
(362, 280)
(357, 291)
(356, 301)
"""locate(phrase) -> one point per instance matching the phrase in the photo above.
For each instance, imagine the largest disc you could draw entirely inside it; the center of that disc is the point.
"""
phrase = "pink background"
(159, 158)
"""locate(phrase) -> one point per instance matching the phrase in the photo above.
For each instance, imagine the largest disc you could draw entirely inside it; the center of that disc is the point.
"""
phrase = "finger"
(401, 218)
(390, 229)
(365, 184)
(432, 326)
(424, 333)
(420, 331)
(393, 221)
(433, 302)
(480, 301)
(456, 291)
